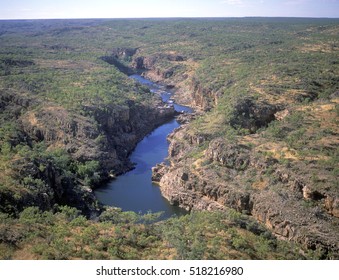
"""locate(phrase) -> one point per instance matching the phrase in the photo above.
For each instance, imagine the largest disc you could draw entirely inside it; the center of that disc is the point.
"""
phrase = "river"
(134, 190)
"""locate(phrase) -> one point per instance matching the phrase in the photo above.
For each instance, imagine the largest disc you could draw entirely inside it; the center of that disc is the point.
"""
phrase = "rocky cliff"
(233, 175)
(219, 173)
(103, 134)
(207, 172)
(171, 69)
(108, 135)
(210, 172)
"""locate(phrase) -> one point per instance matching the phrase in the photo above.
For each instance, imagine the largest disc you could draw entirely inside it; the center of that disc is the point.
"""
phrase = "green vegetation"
(125, 235)
(54, 86)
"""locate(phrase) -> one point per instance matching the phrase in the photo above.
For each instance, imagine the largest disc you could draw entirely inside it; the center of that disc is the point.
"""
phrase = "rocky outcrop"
(202, 97)
(229, 155)
(149, 62)
(234, 175)
(57, 127)
(103, 133)
(167, 68)
(150, 65)
(47, 186)
(252, 115)
(108, 137)
(123, 53)
(332, 205)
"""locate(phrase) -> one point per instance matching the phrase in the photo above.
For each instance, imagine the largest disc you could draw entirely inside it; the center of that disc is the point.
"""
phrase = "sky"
(46, 9)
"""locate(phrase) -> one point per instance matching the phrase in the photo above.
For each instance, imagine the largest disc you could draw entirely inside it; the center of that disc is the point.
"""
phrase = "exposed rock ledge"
(106, 134)
(109, 137)
(274, 195)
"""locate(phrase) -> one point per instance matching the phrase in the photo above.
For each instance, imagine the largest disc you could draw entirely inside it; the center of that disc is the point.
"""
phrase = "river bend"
(134, 190)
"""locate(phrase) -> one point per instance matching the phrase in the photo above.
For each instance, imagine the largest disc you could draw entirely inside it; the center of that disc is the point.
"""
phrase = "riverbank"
(134, 190)
(229, 156)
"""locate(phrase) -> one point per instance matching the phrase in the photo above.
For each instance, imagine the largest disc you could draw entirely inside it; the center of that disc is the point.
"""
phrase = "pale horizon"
(134, 9)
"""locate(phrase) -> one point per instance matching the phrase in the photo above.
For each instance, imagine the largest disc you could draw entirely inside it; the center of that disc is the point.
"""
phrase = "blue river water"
(134, 190)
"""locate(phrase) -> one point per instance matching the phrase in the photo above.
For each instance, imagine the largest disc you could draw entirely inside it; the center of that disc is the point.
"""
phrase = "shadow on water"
(134, 190)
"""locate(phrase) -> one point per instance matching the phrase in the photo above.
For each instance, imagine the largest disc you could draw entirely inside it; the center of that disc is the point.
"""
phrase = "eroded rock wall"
(233, 175)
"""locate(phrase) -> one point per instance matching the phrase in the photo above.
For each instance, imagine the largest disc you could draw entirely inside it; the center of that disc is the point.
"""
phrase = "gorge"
(134, 190)
(255, 165)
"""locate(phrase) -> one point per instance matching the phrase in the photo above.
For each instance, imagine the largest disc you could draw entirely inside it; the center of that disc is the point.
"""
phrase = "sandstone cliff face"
(108, 136)
(153, 67)
(149, 62)
(103, 133)
(168, 68)
(202, 97)
(252, 115)
(234, 175)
